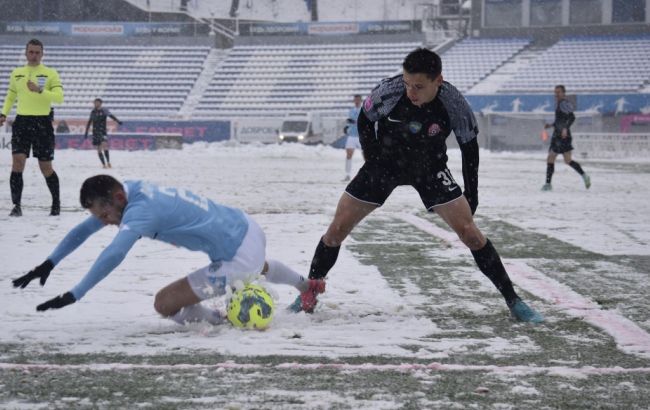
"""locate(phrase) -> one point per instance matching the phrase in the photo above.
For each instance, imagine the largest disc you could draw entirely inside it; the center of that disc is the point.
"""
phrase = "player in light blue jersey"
(233, 241)
(352, 141)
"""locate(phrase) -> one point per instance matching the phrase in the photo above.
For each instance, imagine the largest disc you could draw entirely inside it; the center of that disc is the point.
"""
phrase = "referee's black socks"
(323, 260)
(53, 184)
(489, 263)
(16, 186)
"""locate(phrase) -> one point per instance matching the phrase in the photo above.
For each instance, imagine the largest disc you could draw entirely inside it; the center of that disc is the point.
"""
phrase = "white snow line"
(629, 337)
(368, 367)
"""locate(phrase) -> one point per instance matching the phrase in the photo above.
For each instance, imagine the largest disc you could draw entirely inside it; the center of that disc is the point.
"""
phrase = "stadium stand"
(138, 81)
(157, 81)
(274, 79)
(587, 64)
(472, 60)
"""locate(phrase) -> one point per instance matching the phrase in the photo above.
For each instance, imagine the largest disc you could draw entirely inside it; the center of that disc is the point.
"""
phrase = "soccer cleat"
(16, 211)
(56, 209)
(587, 180)
(296, 306)
(547, 187)
(347, 178)
(308, 298)
(524, 313)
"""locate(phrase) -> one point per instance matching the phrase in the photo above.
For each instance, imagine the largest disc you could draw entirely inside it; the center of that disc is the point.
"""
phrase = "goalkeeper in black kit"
(98, 118)
(402, 129)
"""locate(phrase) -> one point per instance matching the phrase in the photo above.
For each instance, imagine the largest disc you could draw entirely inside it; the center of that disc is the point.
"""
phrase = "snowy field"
(407, 321)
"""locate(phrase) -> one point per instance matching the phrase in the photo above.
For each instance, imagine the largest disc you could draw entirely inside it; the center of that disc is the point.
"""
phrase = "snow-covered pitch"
(407, 319)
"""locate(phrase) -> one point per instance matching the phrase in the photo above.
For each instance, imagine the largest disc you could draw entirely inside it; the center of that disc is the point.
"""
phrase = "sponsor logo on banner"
(333, 28)
(97, 29)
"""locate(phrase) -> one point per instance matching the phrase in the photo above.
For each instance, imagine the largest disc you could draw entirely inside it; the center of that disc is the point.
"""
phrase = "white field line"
(630, 338)
(344, 367)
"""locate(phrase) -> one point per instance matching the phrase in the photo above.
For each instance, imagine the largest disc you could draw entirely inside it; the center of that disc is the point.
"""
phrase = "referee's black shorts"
(35, 133)
(375, 181)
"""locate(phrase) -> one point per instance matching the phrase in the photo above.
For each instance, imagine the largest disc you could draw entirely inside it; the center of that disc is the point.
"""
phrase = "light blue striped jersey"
(171, 215)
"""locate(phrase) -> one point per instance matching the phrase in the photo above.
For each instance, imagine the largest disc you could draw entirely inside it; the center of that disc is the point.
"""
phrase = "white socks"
(348, 166)
(280, 273)
(197, 313)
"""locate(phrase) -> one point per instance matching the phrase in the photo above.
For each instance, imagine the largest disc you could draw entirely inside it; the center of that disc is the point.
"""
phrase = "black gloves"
(58, 302)
(42, 271)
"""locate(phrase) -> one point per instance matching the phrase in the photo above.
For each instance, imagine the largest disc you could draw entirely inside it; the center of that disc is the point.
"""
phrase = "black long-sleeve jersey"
(410, 139)
(98, 120)
(564, 117)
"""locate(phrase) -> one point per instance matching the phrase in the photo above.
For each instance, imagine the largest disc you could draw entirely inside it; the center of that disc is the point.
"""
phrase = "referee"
(36, 87)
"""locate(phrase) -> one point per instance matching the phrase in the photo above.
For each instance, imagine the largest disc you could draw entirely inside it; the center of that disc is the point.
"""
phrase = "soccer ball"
(250, 308)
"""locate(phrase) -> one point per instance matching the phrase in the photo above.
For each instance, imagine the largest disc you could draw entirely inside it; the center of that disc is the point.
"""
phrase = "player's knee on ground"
(162, 305)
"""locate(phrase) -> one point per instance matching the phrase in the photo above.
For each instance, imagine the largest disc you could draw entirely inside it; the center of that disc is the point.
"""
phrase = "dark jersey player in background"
(414, 114)
(100, 139)
(561, 140)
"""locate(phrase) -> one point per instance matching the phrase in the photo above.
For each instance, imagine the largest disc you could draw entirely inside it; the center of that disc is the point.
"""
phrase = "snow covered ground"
(368, 311)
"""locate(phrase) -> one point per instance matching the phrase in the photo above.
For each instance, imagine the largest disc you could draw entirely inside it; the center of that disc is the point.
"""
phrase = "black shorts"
(561, 145)
(374, 183)
(99, 138)
(35, 133)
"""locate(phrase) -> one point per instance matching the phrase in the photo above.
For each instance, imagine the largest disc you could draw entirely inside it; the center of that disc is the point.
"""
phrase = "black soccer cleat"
(55, 210)
(17, 211)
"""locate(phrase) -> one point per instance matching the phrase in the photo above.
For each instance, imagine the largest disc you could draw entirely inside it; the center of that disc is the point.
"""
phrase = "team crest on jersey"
(434, 129)
(415, 127)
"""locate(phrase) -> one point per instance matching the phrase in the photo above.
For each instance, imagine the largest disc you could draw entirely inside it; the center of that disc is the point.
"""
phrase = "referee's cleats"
(587, 180)
(56, 209)
(547, 187)
(17, 211)
(524, 313)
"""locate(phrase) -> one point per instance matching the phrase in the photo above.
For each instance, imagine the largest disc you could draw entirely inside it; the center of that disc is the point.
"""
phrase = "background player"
(414, 113)
(561, 139)
(233, 241)
(100, 138)
(352, 141)
(36, 87)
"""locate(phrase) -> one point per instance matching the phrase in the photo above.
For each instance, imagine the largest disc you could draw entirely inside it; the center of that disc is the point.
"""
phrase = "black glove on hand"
(41, 271)
(473, 201)
(58, 302)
